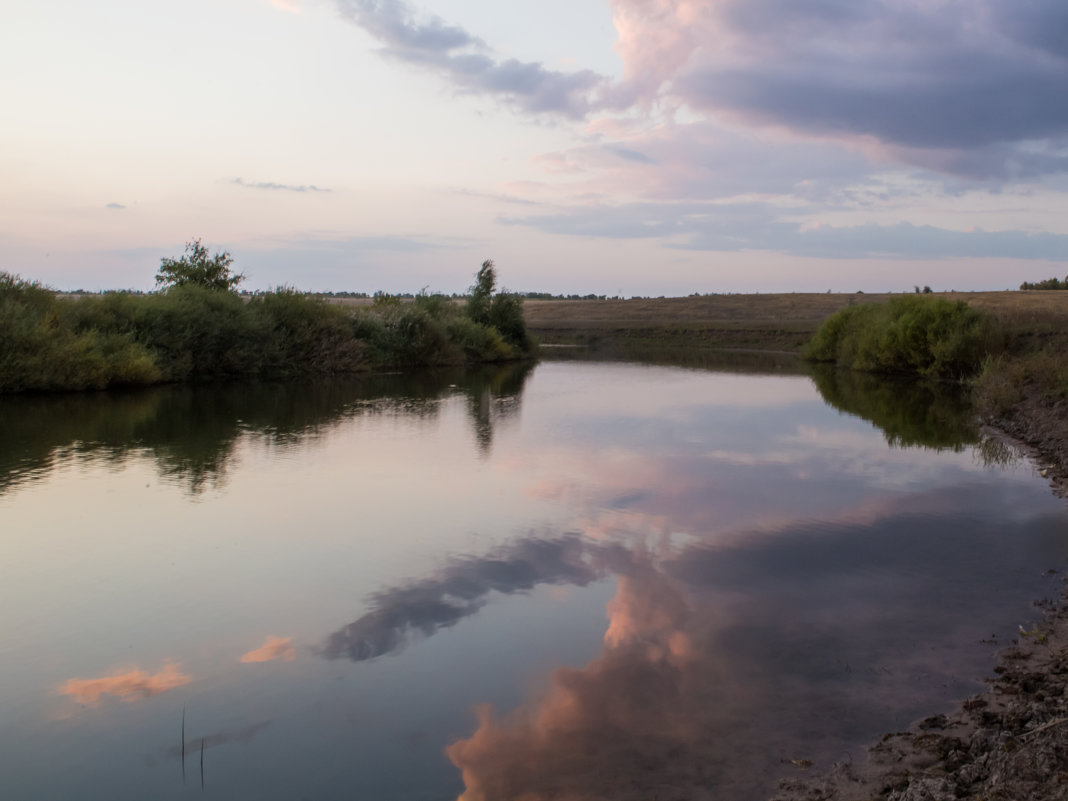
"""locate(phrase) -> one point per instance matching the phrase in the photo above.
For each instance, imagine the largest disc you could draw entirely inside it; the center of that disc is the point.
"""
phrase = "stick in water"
(183, 744)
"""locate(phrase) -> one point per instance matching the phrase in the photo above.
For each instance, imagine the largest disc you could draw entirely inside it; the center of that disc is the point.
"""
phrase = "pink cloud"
(273, 648)
(133, 685)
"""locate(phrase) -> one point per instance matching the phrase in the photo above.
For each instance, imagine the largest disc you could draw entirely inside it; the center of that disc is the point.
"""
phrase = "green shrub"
(200, 334)
(302, 335)
(479, 343)
(40, 350)
(909, 334)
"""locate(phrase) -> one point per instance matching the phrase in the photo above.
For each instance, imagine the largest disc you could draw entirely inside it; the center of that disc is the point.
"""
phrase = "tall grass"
(917, 334)
(191, 333)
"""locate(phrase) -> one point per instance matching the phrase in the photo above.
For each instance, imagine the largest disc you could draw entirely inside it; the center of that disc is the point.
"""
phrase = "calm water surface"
(581, 581)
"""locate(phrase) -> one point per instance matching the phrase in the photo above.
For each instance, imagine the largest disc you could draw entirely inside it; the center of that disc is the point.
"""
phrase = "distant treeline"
(195, 331)
(1049, 283)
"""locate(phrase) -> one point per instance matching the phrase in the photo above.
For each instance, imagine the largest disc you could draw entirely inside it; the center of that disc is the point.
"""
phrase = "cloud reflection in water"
(273, 648)
(458, 591)
(134, 685)
(723, 657)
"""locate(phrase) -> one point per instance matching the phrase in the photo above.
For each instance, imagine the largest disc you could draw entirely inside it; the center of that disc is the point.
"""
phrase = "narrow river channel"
(589, 581)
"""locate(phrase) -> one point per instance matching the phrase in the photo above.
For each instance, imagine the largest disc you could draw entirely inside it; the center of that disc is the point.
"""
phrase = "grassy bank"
(195, 333)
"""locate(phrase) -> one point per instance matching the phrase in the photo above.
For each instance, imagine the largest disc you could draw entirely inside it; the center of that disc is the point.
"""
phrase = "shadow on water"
(192, 431)
(755, 362)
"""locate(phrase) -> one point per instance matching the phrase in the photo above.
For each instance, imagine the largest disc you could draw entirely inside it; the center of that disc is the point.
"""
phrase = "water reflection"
(273, 648)
(192, 431)
(720, 666)
(723, 659)
(910, 412)
(693, 355)
(133, 685)
(654, 583)
(458, 591)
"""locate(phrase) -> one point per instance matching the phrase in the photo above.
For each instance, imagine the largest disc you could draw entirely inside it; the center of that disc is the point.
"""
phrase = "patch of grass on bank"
(191, 332)
(1006, 381)
(909, 334)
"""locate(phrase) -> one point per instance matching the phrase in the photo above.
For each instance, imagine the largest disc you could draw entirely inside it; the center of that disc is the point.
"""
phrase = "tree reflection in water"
(191, 431)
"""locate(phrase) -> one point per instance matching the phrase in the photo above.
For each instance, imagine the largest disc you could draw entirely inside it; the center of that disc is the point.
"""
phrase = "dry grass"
(694, 312)
(767, 309)
(781, 321)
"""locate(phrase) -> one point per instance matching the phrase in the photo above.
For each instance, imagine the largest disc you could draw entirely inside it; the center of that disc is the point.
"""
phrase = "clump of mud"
(1008, 744)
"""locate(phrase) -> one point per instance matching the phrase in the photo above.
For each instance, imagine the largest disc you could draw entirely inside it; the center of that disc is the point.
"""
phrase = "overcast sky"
(607, 146)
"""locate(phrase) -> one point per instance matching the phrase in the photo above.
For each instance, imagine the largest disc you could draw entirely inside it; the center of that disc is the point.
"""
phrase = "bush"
(40, 350)
(302, 335)
(909, 334)
(200, 334)
(479, 343)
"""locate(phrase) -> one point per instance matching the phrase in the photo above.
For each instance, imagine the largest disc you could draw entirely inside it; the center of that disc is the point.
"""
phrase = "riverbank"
(1006, 744)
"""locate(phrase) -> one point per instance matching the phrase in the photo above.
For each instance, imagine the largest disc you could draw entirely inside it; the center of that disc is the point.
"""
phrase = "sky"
(619, 147)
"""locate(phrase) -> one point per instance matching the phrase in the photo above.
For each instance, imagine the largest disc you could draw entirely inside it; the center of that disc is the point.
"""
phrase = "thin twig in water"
(201, 763)
(183, 744)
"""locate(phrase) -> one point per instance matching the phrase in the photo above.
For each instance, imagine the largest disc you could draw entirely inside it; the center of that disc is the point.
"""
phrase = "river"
(582, 580)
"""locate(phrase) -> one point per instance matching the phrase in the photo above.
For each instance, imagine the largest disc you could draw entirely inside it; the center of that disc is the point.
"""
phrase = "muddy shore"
(1007, 744)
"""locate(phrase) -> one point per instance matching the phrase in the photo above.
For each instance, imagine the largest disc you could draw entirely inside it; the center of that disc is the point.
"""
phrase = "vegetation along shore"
(197, 328)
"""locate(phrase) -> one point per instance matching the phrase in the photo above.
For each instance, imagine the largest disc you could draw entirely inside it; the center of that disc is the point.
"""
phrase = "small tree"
(196, 269)
(478, 305)
(500, 310)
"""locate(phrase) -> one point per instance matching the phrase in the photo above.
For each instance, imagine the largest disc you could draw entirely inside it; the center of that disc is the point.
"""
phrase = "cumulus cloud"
(459, 590)
(917, 80)
(133, 685)
(974, 89)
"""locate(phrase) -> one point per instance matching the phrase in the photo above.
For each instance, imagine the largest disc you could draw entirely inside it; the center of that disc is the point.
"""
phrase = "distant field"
(782, 321)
